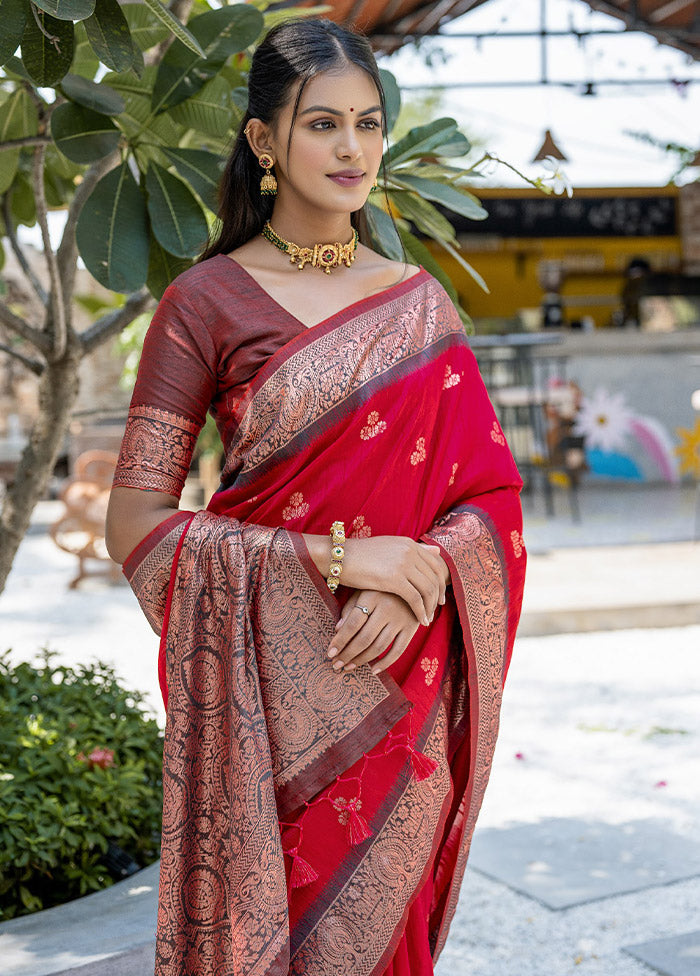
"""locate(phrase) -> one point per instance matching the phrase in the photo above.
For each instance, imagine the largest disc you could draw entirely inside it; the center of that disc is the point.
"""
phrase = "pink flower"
(662, 782)
(98, 757)
(520, 755)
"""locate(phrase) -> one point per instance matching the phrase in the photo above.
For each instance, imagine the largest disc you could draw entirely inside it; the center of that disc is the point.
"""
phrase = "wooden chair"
(81, 529)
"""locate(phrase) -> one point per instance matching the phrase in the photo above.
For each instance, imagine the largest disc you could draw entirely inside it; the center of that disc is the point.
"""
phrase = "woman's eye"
(321, 124)
(370, 123)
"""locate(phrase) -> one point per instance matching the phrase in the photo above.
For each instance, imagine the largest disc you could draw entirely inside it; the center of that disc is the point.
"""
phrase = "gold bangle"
(337, 553)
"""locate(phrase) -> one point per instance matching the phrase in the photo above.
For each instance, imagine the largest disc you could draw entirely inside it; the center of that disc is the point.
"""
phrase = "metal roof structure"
(391, 23)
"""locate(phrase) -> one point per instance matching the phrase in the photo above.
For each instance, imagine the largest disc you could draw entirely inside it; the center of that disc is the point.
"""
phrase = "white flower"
(604, 420)
(558, 179)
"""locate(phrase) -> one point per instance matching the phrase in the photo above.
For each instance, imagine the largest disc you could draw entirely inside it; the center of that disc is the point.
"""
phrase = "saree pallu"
(310, 815)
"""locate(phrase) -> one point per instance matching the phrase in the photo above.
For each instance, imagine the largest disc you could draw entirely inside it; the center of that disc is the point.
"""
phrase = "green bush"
(80, 775)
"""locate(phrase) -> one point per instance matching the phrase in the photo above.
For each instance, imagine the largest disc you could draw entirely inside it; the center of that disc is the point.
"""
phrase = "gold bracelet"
(337, 553)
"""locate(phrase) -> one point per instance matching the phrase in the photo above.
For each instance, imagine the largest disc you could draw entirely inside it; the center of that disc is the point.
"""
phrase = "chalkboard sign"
(604, 216)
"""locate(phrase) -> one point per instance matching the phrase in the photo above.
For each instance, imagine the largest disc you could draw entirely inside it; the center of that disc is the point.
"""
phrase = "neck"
(307, 229)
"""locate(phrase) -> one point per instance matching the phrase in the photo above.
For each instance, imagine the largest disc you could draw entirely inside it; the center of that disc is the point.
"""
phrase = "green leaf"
(465, 264)
(201, 169)
(23, 203)
(419, 254)
(146, 29)
(18, 118)
(384, 234)
(100, 98)
(137, 114)
(67, 9)
(59, 177)
(392, 98)
(443, 193)
(112, 232)
(47, 50)
(14, 69)
(431, 138)
(424, 215)
(209, 111)
(138, 64)
(83, 135)
(177, 220)
(221, 33)
(163, 268)
(108, 33)
(85, 61)
(174, 25)
(13, 17)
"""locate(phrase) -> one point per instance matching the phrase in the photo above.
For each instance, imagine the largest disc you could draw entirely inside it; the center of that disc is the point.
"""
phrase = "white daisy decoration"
(604, 420)
(556, 177)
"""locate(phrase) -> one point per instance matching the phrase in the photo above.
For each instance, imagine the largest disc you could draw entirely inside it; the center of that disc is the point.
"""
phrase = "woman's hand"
(413, 571)
(361, 638)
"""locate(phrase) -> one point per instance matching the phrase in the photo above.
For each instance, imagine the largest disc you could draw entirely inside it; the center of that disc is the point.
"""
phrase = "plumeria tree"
(119, 115)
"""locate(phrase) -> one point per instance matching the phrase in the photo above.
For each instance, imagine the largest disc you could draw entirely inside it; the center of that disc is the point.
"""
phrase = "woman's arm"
(393, 564)
(131, 515)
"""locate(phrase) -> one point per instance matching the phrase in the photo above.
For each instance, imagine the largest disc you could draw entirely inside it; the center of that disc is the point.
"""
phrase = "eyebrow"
(334, 111)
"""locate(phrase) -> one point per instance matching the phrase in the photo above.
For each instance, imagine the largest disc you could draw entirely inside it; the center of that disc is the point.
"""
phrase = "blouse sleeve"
(175, 385)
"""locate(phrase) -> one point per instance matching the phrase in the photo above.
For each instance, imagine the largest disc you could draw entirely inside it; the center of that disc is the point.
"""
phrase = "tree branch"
(113, 322)
(58, 309)
(67, 253)
(25, 141)
(24, 329)
(19, 253)
(36, 365)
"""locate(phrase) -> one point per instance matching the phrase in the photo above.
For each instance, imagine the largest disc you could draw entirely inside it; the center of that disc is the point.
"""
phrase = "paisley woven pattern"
(156, 450)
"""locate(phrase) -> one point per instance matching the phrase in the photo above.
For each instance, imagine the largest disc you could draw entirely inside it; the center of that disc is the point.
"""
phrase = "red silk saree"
(315, 822)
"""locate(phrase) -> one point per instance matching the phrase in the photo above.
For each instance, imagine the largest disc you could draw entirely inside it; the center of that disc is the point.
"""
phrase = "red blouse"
(214, 328)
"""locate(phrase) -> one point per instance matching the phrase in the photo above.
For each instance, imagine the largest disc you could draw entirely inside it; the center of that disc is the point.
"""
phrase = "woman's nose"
(349, 144)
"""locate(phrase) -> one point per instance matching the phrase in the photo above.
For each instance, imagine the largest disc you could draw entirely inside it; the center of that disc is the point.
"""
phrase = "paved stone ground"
(594, 771)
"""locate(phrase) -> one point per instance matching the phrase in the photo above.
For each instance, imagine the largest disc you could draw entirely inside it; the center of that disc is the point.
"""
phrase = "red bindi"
(352, 109)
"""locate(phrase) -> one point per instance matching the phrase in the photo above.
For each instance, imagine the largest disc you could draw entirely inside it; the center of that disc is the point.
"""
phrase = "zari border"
(156, 450)
(398, 860)
(333, 367)
(485, 625)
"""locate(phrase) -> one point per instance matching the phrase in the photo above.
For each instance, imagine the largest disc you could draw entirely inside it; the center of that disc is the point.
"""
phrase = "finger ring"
(365, 610)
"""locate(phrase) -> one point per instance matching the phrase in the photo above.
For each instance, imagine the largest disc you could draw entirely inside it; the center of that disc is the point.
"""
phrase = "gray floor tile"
(564, 862)
(136, 962)
(677, 956)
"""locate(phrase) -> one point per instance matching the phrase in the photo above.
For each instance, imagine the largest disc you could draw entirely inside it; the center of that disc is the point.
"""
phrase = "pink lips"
(347, 177)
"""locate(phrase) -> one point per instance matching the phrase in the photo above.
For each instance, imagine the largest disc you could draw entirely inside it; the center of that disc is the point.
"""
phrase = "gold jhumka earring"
(374, 187)
(268, 184)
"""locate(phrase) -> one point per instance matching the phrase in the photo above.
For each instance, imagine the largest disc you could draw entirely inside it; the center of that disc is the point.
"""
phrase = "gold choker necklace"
(325, 256)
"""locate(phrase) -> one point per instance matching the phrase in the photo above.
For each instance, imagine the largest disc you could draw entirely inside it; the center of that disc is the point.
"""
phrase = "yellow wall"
(594, 267)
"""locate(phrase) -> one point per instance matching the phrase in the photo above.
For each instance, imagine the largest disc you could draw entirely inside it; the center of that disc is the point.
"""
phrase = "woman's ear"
(257, 134)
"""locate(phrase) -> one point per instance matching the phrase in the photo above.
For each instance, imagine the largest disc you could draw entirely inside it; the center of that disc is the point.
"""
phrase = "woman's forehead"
(343, 88)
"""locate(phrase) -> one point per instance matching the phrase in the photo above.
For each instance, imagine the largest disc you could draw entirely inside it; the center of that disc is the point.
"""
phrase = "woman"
(332, 701)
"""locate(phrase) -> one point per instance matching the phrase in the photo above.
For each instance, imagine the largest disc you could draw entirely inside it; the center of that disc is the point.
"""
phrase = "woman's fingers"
(438, 563)
(373, 650)
(398, 647)
(421, 592)
(354, 634)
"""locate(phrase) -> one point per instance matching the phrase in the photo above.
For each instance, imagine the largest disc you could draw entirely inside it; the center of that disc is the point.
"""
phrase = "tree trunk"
(58, 390)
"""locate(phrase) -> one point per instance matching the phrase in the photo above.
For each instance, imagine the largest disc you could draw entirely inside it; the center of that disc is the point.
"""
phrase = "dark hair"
(290, 52)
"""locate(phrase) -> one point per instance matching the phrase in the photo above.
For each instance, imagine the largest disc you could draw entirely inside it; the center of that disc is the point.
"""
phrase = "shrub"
(80, 779)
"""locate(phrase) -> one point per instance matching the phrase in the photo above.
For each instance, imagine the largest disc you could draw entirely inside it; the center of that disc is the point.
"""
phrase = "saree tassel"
(358, 828)
(423, 766)
(302, 873)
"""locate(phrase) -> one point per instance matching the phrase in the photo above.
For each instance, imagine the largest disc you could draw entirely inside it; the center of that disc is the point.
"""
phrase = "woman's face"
(336, 143)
